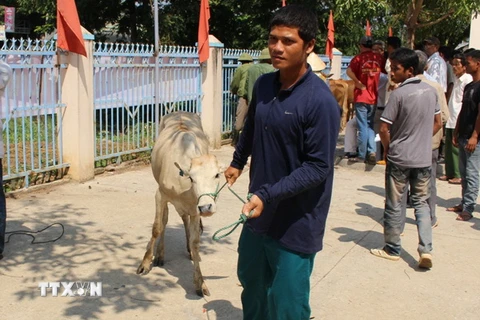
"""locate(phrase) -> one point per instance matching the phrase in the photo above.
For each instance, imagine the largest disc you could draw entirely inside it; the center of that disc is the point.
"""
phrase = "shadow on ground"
(223, 309)
(87, 253)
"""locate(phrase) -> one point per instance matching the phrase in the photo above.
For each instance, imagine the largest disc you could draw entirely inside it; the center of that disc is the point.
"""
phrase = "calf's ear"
(182, 172)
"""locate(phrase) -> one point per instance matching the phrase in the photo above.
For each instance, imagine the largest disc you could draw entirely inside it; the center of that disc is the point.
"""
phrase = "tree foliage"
(244, 24)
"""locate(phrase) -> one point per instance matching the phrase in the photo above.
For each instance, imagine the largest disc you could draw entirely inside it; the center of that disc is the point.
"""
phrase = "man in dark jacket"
(290, 132)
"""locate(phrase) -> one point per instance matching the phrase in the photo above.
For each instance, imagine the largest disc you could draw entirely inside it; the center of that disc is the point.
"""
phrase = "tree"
(423, 15)
(93, 14)
(244, 24)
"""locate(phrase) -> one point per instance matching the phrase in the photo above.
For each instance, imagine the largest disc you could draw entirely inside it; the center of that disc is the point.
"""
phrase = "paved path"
(107, 225)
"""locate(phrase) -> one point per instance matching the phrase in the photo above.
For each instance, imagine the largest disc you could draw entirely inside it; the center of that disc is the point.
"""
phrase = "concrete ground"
(108, 223)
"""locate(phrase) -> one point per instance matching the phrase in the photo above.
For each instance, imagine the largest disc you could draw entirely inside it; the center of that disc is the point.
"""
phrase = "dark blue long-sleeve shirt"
(291, 136)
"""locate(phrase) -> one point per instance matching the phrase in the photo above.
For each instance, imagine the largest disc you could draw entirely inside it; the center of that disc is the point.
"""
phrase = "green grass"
(30, 128)
(138, 136)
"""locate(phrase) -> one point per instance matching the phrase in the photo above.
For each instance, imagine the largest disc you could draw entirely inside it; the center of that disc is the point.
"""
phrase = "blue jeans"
(3, 211)
(432, 201)
(365, 114)
(469, 165)
(397, 180)
(275, 280)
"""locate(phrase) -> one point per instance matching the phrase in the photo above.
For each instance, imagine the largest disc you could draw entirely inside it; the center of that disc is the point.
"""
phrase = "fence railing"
(125, 116)
(30, 111)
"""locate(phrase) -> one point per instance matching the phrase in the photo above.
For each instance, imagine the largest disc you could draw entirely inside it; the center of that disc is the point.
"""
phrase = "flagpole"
(157, 71)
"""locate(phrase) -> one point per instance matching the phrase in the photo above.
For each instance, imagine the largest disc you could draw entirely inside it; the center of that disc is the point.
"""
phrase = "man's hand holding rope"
(255, 203)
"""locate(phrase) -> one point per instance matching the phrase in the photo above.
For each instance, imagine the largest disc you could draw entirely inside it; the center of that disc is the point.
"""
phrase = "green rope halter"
(243, 218)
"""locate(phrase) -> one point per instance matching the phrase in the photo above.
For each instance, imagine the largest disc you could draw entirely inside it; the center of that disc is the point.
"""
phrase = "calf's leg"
(158, 230)
(194, 230)
(186, 225)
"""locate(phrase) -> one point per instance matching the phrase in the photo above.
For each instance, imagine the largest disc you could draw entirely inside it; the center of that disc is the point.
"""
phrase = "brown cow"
(342, 90)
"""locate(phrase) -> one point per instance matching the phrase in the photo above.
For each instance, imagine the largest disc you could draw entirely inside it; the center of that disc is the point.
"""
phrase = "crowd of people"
(407, 97)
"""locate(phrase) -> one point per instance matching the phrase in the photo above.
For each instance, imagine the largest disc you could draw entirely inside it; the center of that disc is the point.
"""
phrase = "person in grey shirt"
(411, 117)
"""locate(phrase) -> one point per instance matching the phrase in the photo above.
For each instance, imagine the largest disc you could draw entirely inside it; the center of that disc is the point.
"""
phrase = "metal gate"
(30, 111)
(125, 115)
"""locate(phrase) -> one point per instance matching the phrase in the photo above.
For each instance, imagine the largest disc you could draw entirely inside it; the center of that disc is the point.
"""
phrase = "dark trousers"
(452, 169)
(3, 211)
(275, 280)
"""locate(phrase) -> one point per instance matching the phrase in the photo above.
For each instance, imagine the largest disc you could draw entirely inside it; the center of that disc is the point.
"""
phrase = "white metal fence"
(30, 110)
(125, 116)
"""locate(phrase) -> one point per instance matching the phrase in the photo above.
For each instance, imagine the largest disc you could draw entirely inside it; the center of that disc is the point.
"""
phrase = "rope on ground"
(31, 234)
(243, 218)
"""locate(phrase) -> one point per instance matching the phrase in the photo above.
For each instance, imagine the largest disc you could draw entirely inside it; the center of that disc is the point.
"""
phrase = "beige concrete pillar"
(78, 115)
(475, 32)
(336, 68)
(212, 88)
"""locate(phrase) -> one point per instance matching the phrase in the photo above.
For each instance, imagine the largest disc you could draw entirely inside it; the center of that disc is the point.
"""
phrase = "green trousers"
(451, 156)
(275, 280)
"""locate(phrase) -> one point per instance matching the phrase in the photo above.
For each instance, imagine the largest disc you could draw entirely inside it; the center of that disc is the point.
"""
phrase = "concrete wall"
(77, 118)
(212, 88)
(475, 32)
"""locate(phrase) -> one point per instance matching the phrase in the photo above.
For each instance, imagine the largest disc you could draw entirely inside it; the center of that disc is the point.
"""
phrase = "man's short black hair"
(405, 57)
(460, 56)
(447, 52)
(432, 40)
(474, 54)
(394, 42)
(468, 50)
(297, 16)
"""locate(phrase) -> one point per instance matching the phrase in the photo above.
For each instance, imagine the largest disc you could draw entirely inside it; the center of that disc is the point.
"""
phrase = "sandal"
(457, 208)
(455, 181)
(464, 216)
(443, 178)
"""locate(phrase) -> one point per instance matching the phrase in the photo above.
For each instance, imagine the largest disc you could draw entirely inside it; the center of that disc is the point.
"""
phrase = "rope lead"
(243, 218)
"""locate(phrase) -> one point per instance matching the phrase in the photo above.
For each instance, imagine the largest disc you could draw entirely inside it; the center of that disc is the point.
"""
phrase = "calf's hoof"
(158, 262)
(203, 291)
(143, 269)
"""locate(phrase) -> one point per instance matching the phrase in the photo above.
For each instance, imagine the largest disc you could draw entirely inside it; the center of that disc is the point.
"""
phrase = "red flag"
(330, 37)
(69, 32)
(368, 32)
(283, 3)
(390, 32)
(203, 29)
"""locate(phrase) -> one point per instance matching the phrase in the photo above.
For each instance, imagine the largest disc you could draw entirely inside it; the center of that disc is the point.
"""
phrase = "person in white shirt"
(452, 172)
(437, 68)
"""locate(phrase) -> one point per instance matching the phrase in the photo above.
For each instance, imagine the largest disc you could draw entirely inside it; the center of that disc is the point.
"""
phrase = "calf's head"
(205, 174)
